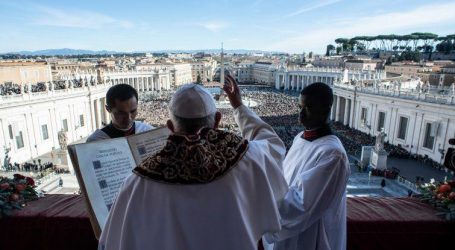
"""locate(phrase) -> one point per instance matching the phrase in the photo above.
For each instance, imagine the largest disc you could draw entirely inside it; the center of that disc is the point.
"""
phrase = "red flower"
(440, 196)
(30, 181)
(452, 196)
(20, 187)
(4, 186)
(444, 188)
(19, 177)
(14, 197)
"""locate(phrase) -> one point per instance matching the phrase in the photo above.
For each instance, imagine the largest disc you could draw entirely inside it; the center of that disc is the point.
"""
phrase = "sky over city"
(271, 25)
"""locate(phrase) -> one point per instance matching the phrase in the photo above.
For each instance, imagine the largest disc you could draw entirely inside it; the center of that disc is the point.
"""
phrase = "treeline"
(415, 42)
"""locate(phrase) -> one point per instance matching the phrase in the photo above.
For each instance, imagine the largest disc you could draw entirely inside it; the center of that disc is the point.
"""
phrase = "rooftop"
(14, 64)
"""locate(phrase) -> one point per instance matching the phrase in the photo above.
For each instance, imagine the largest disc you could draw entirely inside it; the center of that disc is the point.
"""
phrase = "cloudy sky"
(278, 25)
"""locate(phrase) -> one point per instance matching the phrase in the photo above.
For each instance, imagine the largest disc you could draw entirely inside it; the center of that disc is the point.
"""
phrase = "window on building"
(20, 140)
(81, 120)
(44, 132)
(381, 121)
(402, 128)
(363, 116)
(65, 125)
(428, 141)
(10, 130)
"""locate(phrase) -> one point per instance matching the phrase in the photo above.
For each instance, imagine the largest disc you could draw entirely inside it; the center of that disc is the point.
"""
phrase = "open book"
(102, 166)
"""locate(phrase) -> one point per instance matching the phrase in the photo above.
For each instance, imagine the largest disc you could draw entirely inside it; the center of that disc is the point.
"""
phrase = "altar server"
(121, 104)
(317, 170)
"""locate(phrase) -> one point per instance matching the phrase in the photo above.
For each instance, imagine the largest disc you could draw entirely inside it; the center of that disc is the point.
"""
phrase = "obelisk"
(222, 66)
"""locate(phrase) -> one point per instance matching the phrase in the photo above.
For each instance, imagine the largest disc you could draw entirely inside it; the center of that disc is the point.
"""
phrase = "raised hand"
(232, 91)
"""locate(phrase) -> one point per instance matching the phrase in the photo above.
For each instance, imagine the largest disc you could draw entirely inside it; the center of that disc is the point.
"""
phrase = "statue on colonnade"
(379, 145)
(62, 139)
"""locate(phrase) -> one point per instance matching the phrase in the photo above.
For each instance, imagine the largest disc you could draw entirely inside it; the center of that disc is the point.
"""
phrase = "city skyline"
(288, 26)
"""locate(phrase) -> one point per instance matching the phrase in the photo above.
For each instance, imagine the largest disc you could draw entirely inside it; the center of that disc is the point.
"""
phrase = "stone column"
(153, 83)
(346, 111)
(294, 81)
(351, 120)
(92, 115)
(98, 113)
(107, 117)
(333, 109)
(286, 82)
(337, 113)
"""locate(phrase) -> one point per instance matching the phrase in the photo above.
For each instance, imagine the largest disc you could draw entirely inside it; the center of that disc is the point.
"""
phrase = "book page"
(103, 166)
(148, 143)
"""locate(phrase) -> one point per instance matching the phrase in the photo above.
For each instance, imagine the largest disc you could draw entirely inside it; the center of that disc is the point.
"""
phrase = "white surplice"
(314, 209)
(231, 212)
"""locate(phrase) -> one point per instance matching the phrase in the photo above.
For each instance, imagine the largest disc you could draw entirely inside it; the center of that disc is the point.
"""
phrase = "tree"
(446, 45)
(342, 42)
(410, 56)
(351, 45)
(338, 50)
(329, 49)
(198, 79)
(388, 61)
(406, 39)
(382, 39)
(361, 47)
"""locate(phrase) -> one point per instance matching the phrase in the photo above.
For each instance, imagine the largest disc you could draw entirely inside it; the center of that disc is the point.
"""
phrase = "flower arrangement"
(14, 193)
(442, 196)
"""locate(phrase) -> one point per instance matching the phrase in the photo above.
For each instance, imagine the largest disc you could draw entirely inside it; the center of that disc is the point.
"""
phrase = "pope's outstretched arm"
(252, 127)
(268, 147)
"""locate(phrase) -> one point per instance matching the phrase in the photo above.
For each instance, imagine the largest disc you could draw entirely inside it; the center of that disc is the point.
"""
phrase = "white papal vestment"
(154, 210)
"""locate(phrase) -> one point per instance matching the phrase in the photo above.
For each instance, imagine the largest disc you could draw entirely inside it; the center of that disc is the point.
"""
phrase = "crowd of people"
(10, 89)
(16, 89)
(279, 109)
(389, 174)
(38, 87)
(36, 166)
(353, 140)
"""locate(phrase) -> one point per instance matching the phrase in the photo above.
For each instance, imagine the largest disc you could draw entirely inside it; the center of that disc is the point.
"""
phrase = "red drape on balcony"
(396, 223)
(61, 222)
(55, 222)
